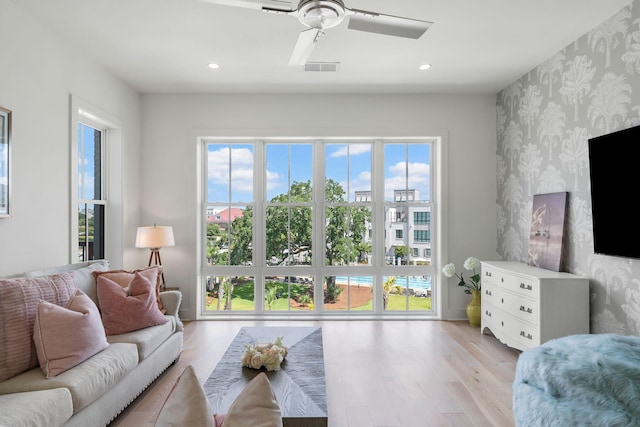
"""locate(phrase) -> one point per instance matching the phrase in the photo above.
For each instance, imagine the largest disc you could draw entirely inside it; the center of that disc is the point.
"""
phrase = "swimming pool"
(414, 282)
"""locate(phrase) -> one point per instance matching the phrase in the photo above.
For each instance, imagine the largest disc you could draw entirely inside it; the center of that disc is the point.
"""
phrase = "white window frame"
(112, 174)
(438, 184)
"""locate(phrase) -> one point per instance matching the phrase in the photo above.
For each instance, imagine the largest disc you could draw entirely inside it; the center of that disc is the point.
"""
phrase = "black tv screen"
(614, 170)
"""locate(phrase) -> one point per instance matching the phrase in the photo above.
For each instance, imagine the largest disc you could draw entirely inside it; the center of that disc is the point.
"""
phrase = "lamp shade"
(154, 237)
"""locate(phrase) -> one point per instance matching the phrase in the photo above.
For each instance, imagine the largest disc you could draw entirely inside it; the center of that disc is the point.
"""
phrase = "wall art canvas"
(547, 230)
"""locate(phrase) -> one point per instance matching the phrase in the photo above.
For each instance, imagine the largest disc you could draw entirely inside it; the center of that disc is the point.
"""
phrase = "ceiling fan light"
(213, 65)
(425, 67)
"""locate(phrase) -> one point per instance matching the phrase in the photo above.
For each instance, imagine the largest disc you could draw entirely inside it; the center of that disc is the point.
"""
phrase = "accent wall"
(544, 121)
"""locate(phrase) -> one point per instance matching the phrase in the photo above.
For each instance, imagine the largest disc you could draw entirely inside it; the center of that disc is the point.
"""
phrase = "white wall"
(169, 181)
(38, 73)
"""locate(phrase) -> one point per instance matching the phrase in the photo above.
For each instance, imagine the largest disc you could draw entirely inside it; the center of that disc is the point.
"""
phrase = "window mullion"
(318, 207)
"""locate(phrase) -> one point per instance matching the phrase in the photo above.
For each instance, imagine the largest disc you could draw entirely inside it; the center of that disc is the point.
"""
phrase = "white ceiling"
(164, 46)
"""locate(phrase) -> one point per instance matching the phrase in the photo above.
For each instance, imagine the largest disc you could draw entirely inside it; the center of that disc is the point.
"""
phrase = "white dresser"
(525, 306)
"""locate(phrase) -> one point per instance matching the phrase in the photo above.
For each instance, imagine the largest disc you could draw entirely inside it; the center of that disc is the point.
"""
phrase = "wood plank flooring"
(392, 373)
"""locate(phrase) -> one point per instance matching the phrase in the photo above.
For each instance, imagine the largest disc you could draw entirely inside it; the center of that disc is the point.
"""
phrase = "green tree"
(345, 233)
(400, 251)
(217, 241)
(270, 296)
(241, 251)
(388, 286)
(227, 288)
(289, 230)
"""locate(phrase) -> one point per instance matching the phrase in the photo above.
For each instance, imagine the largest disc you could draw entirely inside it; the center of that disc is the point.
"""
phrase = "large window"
(322, 227)
(96, 185)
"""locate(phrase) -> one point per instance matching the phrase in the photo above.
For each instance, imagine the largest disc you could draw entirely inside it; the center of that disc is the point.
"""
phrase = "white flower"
(272, 359)
(472, 263)
(267, 355)
(473, 283)
(257, 360)
(449, 270)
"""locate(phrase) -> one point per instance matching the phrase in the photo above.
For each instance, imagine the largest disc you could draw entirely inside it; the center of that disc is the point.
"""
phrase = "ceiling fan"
(319, 15)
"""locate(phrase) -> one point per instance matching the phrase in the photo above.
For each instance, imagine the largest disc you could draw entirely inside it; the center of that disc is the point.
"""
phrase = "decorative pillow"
(19, 298)
(187, 404)
(124, 278)
(255, 406)
(124, 311)
(65, 337)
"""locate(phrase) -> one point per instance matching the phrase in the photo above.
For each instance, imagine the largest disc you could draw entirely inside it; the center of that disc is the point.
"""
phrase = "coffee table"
(299, 385)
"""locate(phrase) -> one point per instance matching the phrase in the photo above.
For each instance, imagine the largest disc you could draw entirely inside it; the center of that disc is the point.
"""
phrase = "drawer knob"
(526, 310)
(527, 287)
(502, 299)
(502, 323)
(526, 335)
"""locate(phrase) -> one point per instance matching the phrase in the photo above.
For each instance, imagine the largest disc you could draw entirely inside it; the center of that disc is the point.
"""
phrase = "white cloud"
(242, 164)
(274, 181)
(419, 178)
(354, 150)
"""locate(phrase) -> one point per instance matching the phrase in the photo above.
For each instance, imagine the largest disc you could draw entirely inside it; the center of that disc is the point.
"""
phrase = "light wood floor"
(378, 373)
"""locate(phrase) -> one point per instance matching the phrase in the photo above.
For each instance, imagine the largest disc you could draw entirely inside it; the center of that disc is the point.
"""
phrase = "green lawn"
(243, 299)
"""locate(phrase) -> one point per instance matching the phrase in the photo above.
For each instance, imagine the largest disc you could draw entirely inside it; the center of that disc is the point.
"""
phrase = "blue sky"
(86, 163)
(405, 166)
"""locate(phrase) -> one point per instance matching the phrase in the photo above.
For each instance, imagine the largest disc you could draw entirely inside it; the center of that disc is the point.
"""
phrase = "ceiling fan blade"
(387, 24)
(268, 5)
(304, 46)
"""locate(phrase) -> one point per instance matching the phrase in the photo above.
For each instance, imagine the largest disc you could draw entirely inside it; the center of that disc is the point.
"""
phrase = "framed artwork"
(547, 230)
(5, 184)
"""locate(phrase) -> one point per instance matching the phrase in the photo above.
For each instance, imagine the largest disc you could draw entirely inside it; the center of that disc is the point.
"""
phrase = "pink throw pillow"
(18, 301)
(67, 336)
(124, 278)
(124, 311)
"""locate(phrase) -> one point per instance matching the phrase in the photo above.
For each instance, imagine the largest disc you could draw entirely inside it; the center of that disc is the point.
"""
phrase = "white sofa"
(94, 392)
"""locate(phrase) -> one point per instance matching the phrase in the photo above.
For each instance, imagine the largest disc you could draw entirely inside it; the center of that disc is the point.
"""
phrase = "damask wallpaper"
(544, 120)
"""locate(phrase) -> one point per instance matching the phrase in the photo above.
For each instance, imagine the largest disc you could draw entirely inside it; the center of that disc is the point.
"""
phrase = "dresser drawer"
(527, 286)
(508, 329)
(515, 304)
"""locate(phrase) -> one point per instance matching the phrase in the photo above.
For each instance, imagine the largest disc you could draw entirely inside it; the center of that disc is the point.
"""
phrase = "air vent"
(321, 66)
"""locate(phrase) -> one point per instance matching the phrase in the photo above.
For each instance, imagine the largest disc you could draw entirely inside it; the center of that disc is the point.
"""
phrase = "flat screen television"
(614, 171)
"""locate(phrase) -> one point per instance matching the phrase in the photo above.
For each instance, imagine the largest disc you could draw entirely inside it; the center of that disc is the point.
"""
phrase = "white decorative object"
(265, 355)
(525, 306)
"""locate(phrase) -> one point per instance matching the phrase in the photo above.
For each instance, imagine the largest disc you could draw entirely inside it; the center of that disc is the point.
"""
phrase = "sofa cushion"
(124, 278)
(147, 339)
(57, 348)
(86, 381)
(18, 301)
(126, 311)
(51, 408)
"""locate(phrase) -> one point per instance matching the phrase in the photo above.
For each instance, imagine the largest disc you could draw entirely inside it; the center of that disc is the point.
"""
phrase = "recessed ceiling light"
(213, 66)
(425, 67)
